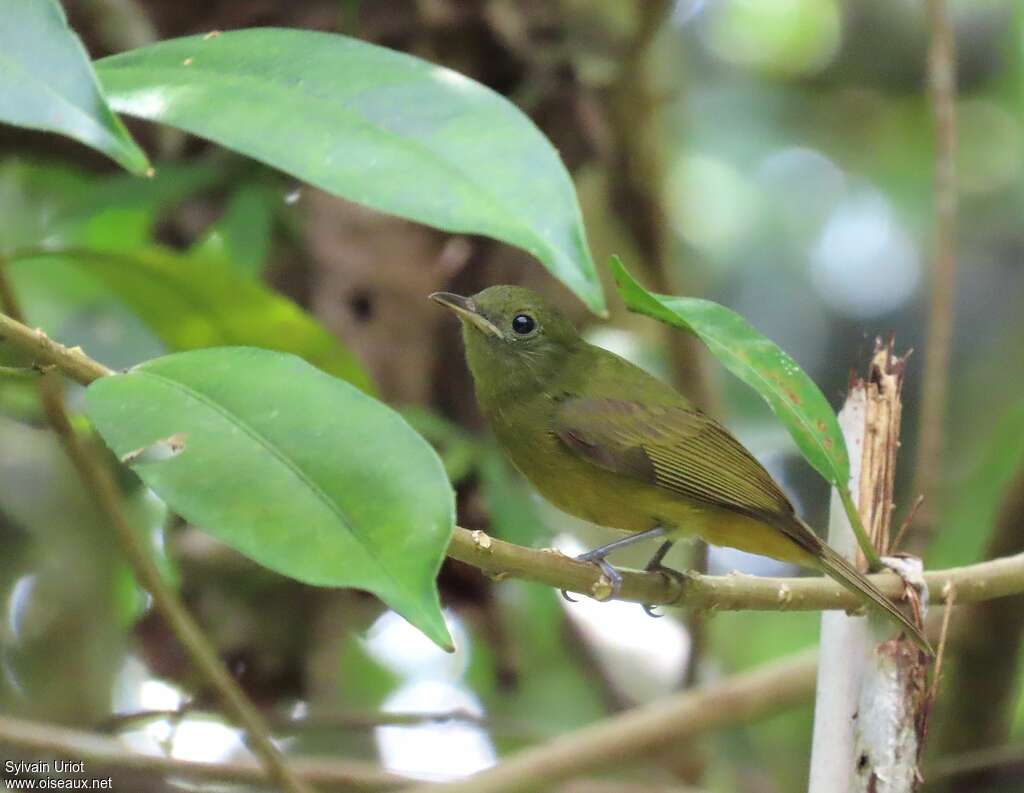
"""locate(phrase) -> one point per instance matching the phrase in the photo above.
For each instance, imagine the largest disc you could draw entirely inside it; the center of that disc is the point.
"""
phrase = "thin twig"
(100, 484)
(620, 786)
(989, 760)
(103, 752)
(940, 652)
(316, 721)
(907, 521)
(107, 752)
(71, 361)
(935, 382)
(8, 299)
(646, 729)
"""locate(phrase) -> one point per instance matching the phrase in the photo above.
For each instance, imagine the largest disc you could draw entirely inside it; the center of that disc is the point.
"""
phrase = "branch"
(100, 484)
(318, 721)
(72, 361)
(622, 786)
(987, 763)
(735, 592)
(872, 701)
(891, 718)
(109, 752)
(973, 583)
(935, 382)
(842, 636)
(104, 752)
(21, 372)
(646, 729)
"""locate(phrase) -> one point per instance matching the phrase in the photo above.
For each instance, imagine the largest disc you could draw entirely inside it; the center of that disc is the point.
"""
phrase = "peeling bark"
(873, 695)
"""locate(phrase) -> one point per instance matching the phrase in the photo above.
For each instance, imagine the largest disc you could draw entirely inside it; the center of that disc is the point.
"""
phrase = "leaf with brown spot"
(759, 363)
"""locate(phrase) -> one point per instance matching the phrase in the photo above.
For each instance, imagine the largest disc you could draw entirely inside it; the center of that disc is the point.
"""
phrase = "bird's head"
(514, 337)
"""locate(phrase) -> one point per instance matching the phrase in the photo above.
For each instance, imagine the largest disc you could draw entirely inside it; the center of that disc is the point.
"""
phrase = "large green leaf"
(190, 302)
(300, 471)
(759, 363)
(378, 127)
(47, 82)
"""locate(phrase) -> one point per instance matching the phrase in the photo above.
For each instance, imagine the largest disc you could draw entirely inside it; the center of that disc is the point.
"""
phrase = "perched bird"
(605, 441)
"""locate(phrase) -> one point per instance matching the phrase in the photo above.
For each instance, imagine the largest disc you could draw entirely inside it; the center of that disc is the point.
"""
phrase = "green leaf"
(759, 363)
(297, 470)
(47, 83)
(242, 235)
(190, 303)
(375, 126)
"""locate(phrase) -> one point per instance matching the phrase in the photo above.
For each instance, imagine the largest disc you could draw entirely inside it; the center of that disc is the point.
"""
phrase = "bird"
(605, 441)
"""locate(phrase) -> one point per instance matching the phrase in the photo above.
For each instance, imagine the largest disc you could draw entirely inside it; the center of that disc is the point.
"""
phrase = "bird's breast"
(571, 483)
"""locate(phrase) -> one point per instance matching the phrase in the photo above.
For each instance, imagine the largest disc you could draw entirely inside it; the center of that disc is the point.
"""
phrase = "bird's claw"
(565, 596)
(655, 566)
(612, 576)
(609, 573)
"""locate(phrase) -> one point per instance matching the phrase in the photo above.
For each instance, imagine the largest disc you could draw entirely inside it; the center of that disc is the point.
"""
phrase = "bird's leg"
(655, 566)
(597, 556)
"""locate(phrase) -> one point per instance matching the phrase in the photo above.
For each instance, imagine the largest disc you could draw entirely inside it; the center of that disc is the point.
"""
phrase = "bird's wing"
(674, 447)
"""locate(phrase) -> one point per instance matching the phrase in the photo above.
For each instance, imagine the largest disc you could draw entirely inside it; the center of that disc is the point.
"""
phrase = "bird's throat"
(506, 373)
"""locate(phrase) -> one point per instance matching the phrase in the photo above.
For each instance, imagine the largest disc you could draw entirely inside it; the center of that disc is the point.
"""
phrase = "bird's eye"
(523, 324)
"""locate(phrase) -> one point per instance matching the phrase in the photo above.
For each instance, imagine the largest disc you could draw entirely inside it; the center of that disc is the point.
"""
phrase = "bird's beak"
(465, 308)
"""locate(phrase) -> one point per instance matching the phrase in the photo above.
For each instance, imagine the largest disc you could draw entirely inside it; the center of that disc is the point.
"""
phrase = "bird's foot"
(607, 587)
(677, 575)
(655, 566)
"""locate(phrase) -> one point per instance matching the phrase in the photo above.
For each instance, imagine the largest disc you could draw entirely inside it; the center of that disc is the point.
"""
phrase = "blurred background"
(776, 157)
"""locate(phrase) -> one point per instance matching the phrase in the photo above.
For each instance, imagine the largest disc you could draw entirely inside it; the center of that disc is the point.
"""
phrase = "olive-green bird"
(605, 441)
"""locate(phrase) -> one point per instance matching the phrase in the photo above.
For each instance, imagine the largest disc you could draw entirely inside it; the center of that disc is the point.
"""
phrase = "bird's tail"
(847, 575)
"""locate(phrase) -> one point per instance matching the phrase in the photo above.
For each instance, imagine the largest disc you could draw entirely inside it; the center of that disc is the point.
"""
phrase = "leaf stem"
(874, 562)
